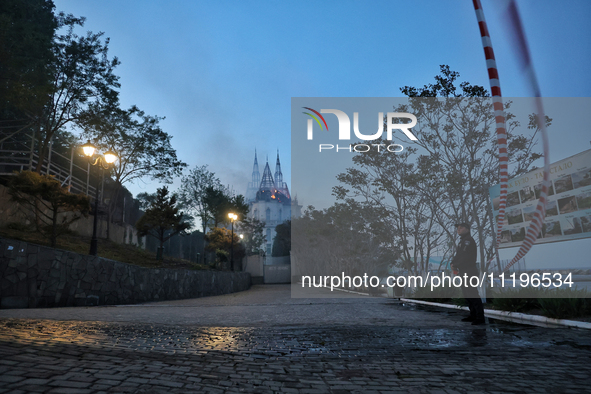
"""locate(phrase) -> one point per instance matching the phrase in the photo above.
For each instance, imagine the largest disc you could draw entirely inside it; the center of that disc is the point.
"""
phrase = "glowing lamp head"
(232, 216)
(88, 149)
(110, 157)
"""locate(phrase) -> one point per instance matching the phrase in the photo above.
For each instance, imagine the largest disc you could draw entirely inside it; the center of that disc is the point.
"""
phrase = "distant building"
(270, 201)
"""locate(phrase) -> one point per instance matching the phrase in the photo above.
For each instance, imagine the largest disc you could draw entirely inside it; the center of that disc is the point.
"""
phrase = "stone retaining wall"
(120, 233)
(37, 276)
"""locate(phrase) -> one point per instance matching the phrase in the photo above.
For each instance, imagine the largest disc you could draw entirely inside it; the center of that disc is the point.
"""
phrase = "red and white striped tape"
(523, 55)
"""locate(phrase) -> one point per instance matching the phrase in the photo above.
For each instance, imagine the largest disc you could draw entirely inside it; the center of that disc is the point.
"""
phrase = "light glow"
(88, 149)
(110, 157)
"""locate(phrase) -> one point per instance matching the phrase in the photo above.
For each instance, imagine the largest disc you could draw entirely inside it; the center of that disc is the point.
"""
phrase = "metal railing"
(17, 154)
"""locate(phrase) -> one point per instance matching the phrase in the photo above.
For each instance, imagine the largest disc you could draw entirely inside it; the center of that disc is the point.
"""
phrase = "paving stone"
(11, 378)
(419, 350)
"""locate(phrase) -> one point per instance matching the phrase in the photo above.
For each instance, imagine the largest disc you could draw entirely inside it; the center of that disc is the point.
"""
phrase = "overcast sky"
(223, 72)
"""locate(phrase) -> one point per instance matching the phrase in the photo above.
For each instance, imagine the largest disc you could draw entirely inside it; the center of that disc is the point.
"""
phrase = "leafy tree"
(219, 204)
(220, 240)
(142, 147)
(340, 239)
(82, 77)
(239, 206)
(203, 195)
(145, 200)
(254, 237)
(444, 178)
(192, 193)
(384, 181)
(53, 207)
(282, 240)
(162, 219)
(27, 29)
(458, 152)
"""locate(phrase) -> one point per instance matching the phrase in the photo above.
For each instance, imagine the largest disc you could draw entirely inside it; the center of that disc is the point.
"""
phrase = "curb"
(343, 290)
(515, 317)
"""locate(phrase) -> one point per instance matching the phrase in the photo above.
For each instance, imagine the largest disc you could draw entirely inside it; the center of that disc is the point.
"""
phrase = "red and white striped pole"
(495, 88)
(524, 57)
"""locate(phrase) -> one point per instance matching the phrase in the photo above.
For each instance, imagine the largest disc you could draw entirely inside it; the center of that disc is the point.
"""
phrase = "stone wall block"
(3, 265)
(57, 254)
(5, 284)
(12, 278)
(32, 261)
(46, 261)
(56, 273)
(41, 286)
(33, 288)
(78, 264)
(32, 272)
(22, 288)
(86, 285)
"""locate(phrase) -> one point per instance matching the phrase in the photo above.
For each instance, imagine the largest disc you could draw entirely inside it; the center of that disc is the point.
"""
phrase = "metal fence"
(17, 153)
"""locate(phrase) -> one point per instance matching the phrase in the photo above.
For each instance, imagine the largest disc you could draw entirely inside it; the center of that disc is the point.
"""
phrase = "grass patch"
(129, 254)
(522, 300)
(556, 303)
(572, 304)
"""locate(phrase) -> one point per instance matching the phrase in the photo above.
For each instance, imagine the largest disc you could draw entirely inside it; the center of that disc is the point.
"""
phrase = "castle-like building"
(269, 200)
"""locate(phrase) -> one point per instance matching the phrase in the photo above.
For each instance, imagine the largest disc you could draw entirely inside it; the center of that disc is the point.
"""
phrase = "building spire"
(256, 175)
(278, 173)
(253, 185)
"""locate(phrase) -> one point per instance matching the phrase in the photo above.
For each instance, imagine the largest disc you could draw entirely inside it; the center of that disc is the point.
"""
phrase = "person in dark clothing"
(465, 263)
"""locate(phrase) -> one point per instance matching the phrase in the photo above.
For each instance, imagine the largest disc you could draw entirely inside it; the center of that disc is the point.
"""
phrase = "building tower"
(271, 204)
(253, 185)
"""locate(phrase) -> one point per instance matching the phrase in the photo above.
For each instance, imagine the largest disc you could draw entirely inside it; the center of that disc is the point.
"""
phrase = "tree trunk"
(160, 251)
(42, 152)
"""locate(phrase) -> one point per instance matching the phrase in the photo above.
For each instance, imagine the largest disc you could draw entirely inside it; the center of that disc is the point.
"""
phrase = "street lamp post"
(103, 162)
(232, 217)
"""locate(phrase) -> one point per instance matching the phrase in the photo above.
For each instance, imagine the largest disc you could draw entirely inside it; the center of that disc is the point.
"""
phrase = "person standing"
(465, 263)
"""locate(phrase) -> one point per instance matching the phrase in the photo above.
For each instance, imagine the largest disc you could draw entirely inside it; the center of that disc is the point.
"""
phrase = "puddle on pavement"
(498, 330)
(273, 342)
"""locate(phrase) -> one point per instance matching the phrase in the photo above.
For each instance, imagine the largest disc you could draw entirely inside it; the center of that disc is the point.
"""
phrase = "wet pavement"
(264, 341)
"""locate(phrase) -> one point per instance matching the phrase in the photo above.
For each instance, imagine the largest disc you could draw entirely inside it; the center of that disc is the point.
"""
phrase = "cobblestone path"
(74, 356)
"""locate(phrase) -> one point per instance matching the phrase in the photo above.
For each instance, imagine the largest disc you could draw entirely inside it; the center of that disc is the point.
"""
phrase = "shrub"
(17, 226)
(569, 303)
(51, 207)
